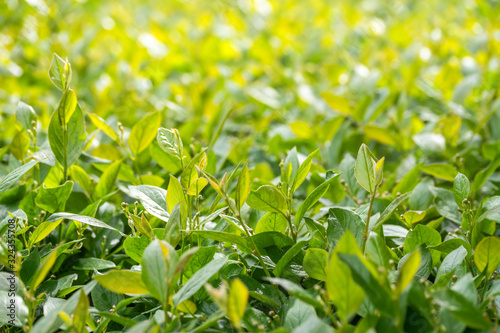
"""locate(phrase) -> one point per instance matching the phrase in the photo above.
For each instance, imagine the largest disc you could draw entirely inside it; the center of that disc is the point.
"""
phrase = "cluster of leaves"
(260, 205)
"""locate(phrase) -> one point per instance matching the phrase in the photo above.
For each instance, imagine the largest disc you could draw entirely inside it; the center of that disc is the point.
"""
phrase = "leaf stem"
(367, 226)
(257, 252)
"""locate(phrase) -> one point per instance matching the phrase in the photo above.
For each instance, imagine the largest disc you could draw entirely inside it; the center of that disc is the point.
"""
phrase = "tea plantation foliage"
(249, 166)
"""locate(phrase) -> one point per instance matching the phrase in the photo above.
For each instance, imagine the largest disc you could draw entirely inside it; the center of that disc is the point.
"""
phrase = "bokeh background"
(284, 73)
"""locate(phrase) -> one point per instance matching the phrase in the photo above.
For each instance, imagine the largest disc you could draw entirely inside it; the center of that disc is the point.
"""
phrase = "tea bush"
(249, 167)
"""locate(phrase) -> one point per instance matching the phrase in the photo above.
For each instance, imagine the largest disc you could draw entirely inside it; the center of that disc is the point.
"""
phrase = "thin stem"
(257, 252)
(367, 226)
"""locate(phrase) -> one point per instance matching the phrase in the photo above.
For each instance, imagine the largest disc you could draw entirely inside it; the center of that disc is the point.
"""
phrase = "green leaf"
(107, 181)
(441, 171)
(462, 309)
(51, 321)
(461, 189)
(153, 199)
(313, 197)
(198, 280)
(298, 314)
(123, 282)
(315, 263)
(82, 219)
(15, 175)
(451, 262)
(390, 209)
(486, 255)
(67, 135)
(242, 187)
(25, 115)
(407, 271)
(379, 295)
(377, 252)
(105, 300)
(267, 198)
(285, 259)
(422, 234)
(297, 291)
(271, 238)
(271, 222)
(303, 171)
(81, 313)
(339, 221)
(488, 213)
(29, 267)
(173, 227)
(89, 264)
(60, 72)
(144, 132)
(365, 169)
(156, 269)
(103, 126)
(134, 247)
(202, 257)
(344, 293)
(223, 237)
(54, 199)
(190, 173)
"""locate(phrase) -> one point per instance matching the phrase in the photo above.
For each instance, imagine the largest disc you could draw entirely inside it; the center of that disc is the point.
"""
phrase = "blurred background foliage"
(418, 80)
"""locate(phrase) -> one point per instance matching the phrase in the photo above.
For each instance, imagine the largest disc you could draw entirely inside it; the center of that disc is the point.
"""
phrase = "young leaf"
(123, 282)
(173, 226)
(267, 198)
(236, 301)
(190, 173)
(42, 231)
(44, 269)
(303, 171)
(407, 271)
(103, 126)
(107, 181)
(170, 141)
(175, 196)
(365, 169)
(144, 132)
(60, 72)
(242, 187)
(20, 145)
